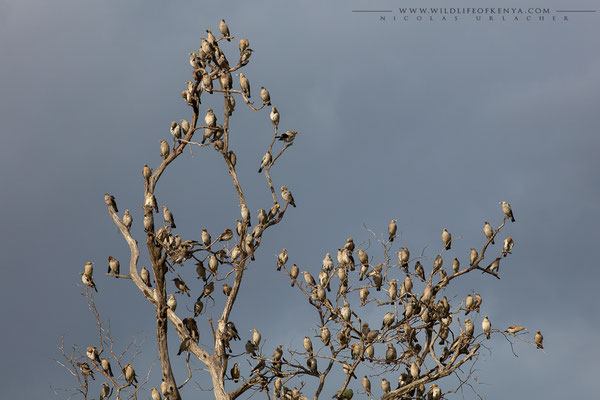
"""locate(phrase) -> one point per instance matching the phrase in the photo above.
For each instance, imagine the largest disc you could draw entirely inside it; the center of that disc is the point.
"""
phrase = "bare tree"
(422, 337)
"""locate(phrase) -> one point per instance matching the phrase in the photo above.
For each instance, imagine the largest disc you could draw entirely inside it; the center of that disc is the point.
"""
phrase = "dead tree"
(422, 337)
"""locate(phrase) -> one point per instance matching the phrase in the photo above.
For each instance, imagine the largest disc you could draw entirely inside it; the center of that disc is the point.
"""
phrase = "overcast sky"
(429, 122)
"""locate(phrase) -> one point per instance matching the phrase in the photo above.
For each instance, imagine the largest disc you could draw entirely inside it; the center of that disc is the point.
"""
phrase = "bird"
(408, 284)
(184, 346)
(348, 369)
(172, 302)
(192, 328)
(388, 319)
(414, 370)
(327, 263)
(391, 354)
(392, 228)
(164, 149)
(146, 172)
(227, 289)
(168, 216)
(507, 210)
(486, 326)
(226, 236)
(110, 201)
(235, 372)
(287, 196)
(245, 85)
(488, 231)
(206, 237)
(325, 335)
(308, 345)
(255, 337)
(447, 239)
(393, 289)
(224, 29)
(198, 306)
(345, 395)
(155, 394)
(86, 370)
(469, 304)
(309, 278)
(264, 94)
(469, 327)
(175, 128)
(87, 276)
(420, 271)
(403, 257)
(493, 267)
(282, 259)
(366, 383)
(127, 219)
(437, 263)
(507, 246)
(92, 353)
(105, 364)
(129, 373)
(145, 275)
(210, 119)
(245, 213)
(435, 392)
(243, 44)
(164, 389)
(113, 265)
(539, 339)
(385, 385)
(455, 265)
(294, 271)
(515, 329)
(266, 160)
(181, 286)
(287, 136)
(105, 391)
(259, 366)
(245, 57)
(274, 116)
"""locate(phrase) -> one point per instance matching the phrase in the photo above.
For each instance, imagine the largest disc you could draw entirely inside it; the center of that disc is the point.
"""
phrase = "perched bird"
(282, 259)
(403, 257)
(92, 353)
(507, 210)
(181, 286)
(227, 289)
(172, 302)
(175, 128)
(414, 370)
(164, 389)
(245, 213)
(210, 119)
(437, 264)
(363, 294)
(391, 354)
(224, 29)
(507, 246)
(455, 265)
(345, 395)
(226, 236)
(264, 95)
(366, 383)
(392, 228)
(370, 350)
(274, 116)
(294, 271)
(105, 364)
(309, 278)
(86, 370)
(192, 328)
(146, 172)
(155, 394)
(539, 340)
(327, 263)
(469, 327)
(515, 329)
(287, 196)
(87, 276)
(206, 237)
(469, 304)
(435, 392)
(105, 391)
(420, 271)
(184, 346)
(208, 289)
(478, 301)
(165, 149)
(129, 373)
(347, 368)
(244, 84)
(308, 345)
(259, 366)
(287, 136)
(266, 160)
(388, 319)
(486, 326)
(243, 46)
(473, 256)
(325, 335)
(245, 57)
(127, 219)
(493, 267)
(408, 284)
(168, 216)
(447, 239)
(110, 201)
(113, 265)
(488, 231)
(235, 372)
(393, 289)
(377, 276)
(385, 385)
(145, 275)
(198, 306)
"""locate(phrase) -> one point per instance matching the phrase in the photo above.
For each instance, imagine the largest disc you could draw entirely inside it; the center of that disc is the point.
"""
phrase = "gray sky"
(428, 122)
